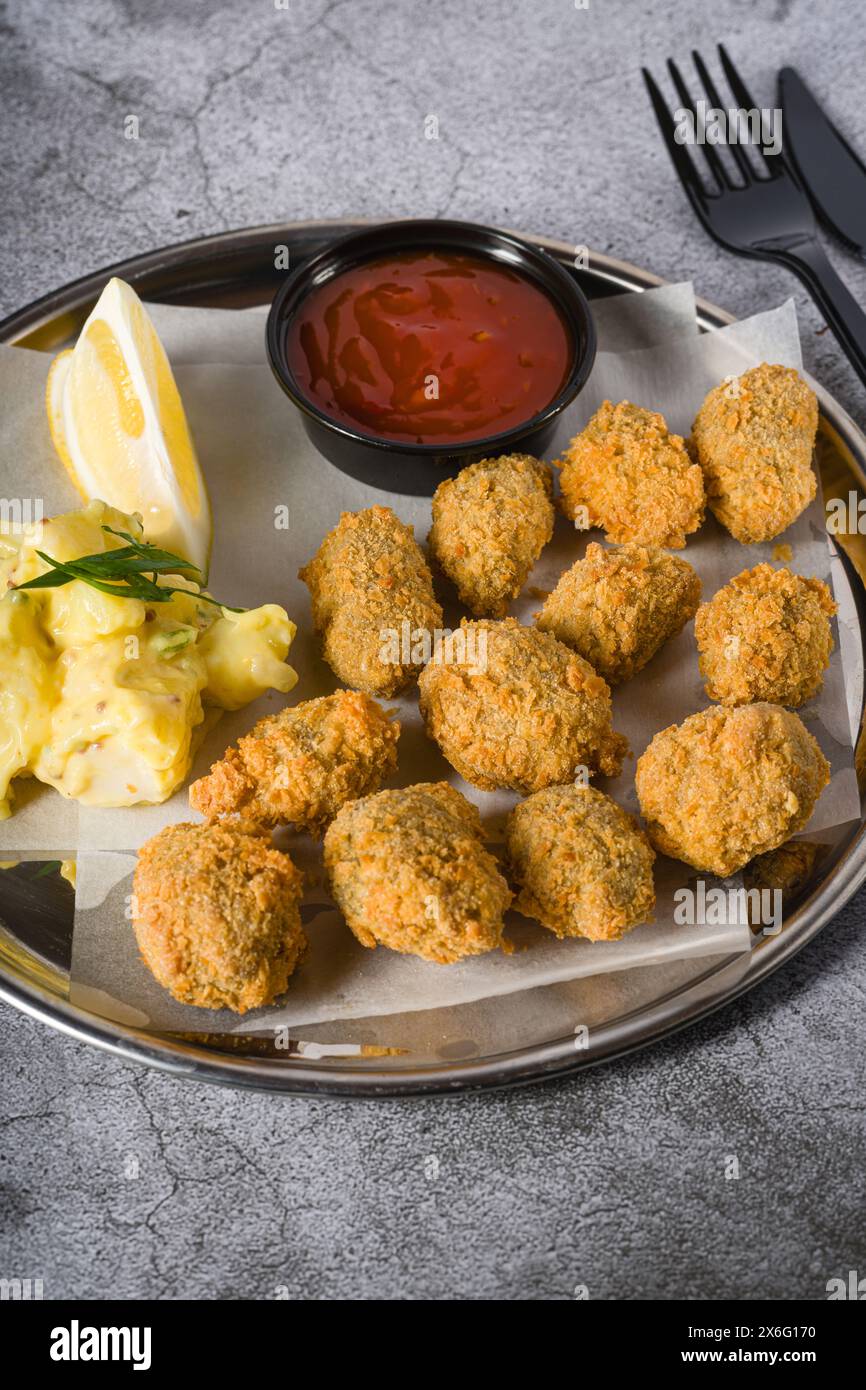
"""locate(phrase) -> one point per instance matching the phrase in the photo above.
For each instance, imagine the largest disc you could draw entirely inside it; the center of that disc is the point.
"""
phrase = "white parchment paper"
(257, 458)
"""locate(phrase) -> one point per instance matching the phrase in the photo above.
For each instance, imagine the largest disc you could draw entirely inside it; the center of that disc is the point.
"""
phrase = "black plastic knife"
(832, 174)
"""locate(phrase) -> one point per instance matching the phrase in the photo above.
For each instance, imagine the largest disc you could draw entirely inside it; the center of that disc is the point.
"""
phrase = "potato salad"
(106, 697)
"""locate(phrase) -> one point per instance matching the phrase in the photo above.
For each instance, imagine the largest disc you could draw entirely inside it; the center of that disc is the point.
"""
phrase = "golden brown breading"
(366, 581)
(215, 912)
(409, 870)
(298, 767)
(754, 438)
(584, 865)
(729, 783)
(511, 707)
(490, 524)
(634, 479)
(618, 607)
(787, 868)
(766, 636)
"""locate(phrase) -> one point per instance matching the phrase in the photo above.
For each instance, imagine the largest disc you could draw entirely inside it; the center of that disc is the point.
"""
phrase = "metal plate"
(507, 1041)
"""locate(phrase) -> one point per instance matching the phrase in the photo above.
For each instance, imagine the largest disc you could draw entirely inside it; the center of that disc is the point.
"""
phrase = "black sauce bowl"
(396, 465)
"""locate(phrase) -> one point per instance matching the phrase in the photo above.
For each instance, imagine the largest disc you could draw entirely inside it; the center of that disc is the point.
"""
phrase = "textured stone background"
(249, 113)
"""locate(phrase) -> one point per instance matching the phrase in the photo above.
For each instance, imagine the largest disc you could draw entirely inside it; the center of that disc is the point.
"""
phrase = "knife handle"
(808, 260)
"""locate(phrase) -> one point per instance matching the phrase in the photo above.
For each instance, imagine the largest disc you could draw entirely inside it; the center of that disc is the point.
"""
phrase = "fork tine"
(714, 163)
(779, 164)
(682, 161)
(737, 153)
(735, 81)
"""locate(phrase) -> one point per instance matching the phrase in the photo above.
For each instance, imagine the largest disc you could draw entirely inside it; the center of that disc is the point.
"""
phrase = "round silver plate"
(506, 1041)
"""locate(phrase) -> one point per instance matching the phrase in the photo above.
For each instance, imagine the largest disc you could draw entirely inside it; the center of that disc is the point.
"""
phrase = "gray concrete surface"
(616, 1180)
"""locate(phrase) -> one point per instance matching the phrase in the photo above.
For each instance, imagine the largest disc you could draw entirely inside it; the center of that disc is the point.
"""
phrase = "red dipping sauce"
(429, 347)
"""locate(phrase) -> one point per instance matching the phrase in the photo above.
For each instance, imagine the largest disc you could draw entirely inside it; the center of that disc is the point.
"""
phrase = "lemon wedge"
(118, 424)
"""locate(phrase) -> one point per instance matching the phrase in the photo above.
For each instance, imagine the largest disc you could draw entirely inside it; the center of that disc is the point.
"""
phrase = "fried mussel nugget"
(617, 607)
(584, 866)
(371, 591)
(728, 784)
(298, 767)
(216, 915)
(510, 706)
(766, 635)
(785, 870)
(490, 524)
(409, 870)
(753, 437)
(633, 478)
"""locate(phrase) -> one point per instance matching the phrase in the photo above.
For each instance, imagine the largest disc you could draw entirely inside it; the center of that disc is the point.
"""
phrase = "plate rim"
(534, 1063)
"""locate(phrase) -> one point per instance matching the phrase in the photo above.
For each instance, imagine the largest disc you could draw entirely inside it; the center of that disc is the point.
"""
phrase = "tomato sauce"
(429, 347)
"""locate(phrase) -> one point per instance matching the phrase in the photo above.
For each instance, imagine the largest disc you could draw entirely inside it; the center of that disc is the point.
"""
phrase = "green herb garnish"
(128, 572)
(170, 643)
(51, 866)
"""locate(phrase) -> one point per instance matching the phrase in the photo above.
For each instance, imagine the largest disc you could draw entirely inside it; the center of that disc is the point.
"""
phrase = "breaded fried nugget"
(215, 912)
(634, 479)
(409, 870)
(511, 707)
(617, 607)
(490, 524)
(728, 784)
(766, 636)
(786, 869)
(754, 437)
(298, 767)
(584, 865)
(367, 580)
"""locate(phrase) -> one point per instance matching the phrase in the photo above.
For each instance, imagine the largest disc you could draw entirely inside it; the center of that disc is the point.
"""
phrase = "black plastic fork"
(766, 214)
